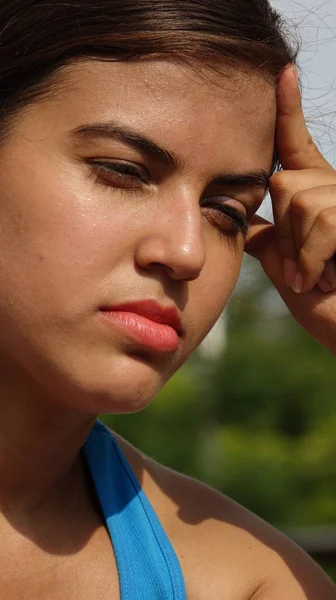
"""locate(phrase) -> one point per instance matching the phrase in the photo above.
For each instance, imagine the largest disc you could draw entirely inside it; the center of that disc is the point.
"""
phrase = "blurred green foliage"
(258, 422)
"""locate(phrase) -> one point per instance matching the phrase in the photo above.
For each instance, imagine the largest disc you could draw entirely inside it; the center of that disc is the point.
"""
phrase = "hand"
(298, 252)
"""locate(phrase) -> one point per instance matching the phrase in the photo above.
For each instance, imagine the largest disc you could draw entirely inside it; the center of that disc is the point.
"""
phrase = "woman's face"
(131, 183)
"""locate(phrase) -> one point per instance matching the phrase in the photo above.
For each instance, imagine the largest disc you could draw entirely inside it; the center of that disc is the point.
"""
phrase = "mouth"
(147, 323)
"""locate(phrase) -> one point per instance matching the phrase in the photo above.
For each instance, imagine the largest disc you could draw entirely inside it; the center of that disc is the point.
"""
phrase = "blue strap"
(147, 564)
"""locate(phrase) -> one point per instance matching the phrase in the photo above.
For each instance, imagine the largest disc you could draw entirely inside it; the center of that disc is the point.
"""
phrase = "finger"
(259, 235)
(317, 250)
(306, 207)
(294, 143)
(261, 244)
(288, 191)
(282, 188)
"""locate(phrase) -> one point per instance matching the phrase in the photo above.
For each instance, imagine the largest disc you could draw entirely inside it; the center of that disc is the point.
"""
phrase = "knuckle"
(326, 219)
(281, 181)
(300, 202)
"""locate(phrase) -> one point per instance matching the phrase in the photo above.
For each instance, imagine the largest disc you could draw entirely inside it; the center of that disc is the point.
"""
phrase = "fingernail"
(292, 69)
(289, 269)
(325, 286)
(298, 284)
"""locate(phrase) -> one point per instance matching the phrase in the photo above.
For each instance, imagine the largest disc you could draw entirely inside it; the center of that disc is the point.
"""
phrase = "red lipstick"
(147, 323)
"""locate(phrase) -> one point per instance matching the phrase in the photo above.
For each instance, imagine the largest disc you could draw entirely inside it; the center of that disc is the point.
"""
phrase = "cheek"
(211, 292)
(56, 244)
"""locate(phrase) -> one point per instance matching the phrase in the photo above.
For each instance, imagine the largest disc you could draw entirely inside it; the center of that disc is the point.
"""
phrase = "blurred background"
(253, 412)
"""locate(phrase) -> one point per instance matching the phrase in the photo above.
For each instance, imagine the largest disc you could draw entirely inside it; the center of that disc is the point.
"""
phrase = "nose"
(174, 240)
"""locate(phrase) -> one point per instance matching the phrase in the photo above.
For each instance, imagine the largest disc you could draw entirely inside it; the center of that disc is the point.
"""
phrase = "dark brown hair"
(38, 37)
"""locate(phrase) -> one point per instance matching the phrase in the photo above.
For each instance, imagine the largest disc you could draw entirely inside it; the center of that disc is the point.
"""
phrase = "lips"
(152, 311)
(146, 323)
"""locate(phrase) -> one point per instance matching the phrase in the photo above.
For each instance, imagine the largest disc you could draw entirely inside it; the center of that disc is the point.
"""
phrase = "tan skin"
(71, 242)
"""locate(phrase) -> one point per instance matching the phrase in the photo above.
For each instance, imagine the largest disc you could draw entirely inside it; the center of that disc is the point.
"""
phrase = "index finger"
(295, 146)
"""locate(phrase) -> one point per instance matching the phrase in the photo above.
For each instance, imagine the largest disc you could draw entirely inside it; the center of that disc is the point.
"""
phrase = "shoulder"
(225, 551)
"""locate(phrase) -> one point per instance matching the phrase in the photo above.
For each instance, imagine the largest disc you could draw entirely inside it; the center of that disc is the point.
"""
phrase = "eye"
(227, 219)
(119, 174)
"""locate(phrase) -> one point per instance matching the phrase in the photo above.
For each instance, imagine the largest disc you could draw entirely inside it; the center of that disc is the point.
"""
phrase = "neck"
(40, 443)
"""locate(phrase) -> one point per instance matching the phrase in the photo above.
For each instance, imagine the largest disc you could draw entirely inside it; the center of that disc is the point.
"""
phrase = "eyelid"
(225, 198)
(237, 217)
(136, 170)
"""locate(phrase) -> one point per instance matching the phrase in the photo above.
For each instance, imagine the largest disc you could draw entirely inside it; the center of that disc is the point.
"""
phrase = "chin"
(93, 379)
(123, 385)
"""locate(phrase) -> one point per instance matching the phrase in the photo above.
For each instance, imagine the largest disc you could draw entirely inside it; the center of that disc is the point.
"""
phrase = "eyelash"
(224, 211)
(124, 172)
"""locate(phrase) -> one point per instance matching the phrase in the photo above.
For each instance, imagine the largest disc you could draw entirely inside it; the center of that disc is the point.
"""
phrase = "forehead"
(198, 115)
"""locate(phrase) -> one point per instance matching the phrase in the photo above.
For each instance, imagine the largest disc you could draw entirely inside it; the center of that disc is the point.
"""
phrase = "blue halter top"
(147, 564)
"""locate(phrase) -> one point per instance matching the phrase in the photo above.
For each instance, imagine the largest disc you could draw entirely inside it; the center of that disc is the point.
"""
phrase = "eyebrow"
(130, 138)
(256, 179)
(110, 130)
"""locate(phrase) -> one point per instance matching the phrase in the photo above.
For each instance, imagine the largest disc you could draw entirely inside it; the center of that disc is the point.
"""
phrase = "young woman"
(137, 142)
